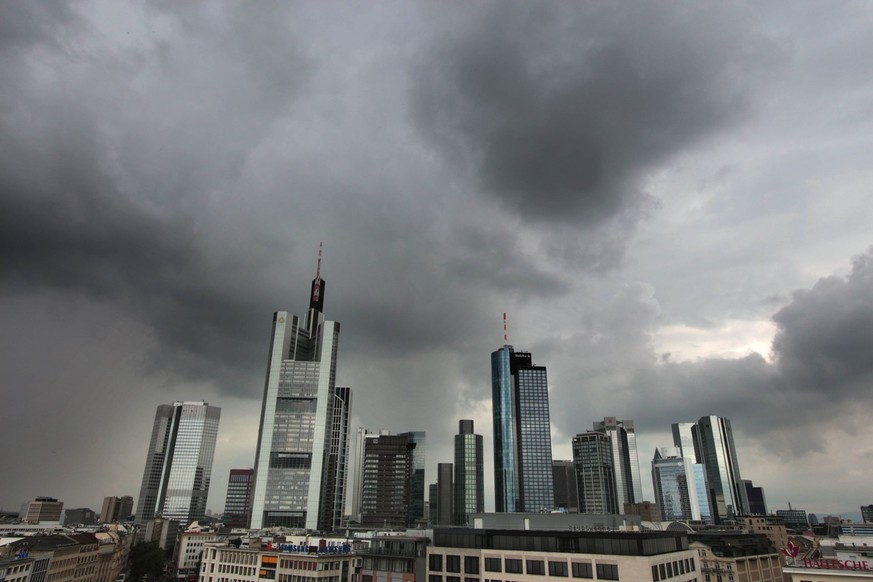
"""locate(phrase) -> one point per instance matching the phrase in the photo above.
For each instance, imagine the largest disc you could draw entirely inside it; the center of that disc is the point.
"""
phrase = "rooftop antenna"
(505, 333)
(318, 267)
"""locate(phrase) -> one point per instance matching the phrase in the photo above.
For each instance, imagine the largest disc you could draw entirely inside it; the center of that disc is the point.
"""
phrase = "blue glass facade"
(522, 434)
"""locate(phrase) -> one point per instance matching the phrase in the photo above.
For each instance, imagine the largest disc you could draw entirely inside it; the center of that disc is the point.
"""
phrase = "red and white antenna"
(505, 333)
(318, 267)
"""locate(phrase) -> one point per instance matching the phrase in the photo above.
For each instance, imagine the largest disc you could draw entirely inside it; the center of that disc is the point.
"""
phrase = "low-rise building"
(736, 557)
(483, 555)
(770, 525)
(283, 563)
(394, 559)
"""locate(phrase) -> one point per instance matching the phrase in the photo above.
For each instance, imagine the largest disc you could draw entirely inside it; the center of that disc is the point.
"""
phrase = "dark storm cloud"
(110, 162)
(23, 24)
(559, 109)
(822, 357)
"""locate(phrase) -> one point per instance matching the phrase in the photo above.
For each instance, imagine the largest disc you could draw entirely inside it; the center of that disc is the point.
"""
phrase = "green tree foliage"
(146, 559)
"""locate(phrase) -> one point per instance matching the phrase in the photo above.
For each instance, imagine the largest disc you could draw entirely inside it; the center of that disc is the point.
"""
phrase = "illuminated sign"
(832, 564)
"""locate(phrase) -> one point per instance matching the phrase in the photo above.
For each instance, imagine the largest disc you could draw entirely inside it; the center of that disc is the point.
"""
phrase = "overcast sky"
(670, 200)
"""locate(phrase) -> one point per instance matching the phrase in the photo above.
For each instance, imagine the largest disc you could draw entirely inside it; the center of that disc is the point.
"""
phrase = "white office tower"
(300, 464)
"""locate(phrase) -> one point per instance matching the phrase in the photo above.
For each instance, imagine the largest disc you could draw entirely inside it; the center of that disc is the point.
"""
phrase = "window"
(493, 565)
(655, 577)
(581, 570)
(471, 564)
(436, 563)
(453, 563)
(663, 570)
(669, 570)
(513, 566)
(558, 569)
(471, 580)
(607, 572)
(434, 578)
(537, 567)
(453, 579)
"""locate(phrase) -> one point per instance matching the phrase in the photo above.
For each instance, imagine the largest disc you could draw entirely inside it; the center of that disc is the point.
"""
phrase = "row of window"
(671, 569)
(518, 566)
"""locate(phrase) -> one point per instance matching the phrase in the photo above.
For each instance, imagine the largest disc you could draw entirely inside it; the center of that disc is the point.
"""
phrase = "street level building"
(280, 562)
(394, 559)
(522, 434)
(537, 555)
(737, 557)
(300, 459)
(178, 468)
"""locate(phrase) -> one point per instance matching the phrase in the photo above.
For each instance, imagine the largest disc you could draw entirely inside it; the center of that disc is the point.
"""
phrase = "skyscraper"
(566, 490)
(522, 435)
(416, 479)
(670, 476)
(445, 490)
(469, 494)
(595, 473)
(757, 500)
(714, 441)
(175, 482)
(238, 502)
(622, 440)
(386, 483)
(116, 509)
(301, 454)
(685, 439)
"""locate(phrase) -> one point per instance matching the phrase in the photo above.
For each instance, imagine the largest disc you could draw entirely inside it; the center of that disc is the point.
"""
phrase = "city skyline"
(669, 201)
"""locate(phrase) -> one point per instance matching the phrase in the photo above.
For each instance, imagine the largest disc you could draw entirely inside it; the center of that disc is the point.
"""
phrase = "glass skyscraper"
(670, 476)
(714, 445)
(623, 440)
(469, 482)
(595, 473)
(175, 482)
(522, 434)
(302, 445)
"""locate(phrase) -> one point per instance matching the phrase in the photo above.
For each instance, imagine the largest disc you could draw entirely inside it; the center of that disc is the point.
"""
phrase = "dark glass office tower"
(175, 482)
(595, 473)
(715, 445)
(416, 479)
(469, 494)
(566, 490)
(386, 480)
(522, 435)
(299, 464)
(238, 503)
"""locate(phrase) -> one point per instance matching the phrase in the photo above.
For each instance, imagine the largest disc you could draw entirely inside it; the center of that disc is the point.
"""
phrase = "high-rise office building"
(301, 452)
(595, 473)
(866, 514)
(714, 443)
(175, 482)
(357, 472)
(623, 440)
(469, 494)
(757, 500)
(44, 510)
(386, 483)
(416, 479)
(522, 434)
(116, 509)
(566, 490)
(673, 493)
(238, 503)
(445, 491)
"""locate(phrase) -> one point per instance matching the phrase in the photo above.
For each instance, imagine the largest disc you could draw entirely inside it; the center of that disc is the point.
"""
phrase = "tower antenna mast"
(505, 333)
(318, 267)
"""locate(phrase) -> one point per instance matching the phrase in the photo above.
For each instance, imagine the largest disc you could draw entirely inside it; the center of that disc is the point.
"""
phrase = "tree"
(146, 559)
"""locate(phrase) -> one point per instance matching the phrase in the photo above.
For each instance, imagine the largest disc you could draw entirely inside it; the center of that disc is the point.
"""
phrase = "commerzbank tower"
(301, 459)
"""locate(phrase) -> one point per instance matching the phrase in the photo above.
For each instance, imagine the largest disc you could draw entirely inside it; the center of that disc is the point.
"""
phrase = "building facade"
(469, 481)
(623, 440)
(522, 434)
(535, 555)
(756, 497)
(178, 468)
(714, 443)
(299, 470)
(44, 510)
(116, 509)
(595, 473)
(386, 483)
(564, 483)
(736, 557)
(680, 486)
(445, 490)
(284, 563)
(417, 476)
(238, 502)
